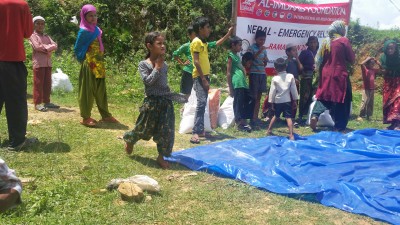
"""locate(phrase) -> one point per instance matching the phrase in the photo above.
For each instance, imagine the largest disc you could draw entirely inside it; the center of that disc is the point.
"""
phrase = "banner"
(286, 22)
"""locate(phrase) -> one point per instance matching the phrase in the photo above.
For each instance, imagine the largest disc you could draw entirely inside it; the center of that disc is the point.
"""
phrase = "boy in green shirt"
(186, 80)
(243, 103)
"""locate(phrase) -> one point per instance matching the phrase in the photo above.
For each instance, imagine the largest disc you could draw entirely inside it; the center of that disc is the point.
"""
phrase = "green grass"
(72, 163)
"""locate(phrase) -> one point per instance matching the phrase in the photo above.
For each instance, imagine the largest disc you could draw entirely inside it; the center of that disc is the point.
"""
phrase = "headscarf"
(390, 62)
(336, 29)
(88, 26)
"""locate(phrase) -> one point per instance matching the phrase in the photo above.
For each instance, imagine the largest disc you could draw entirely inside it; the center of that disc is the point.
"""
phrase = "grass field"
(72, 164)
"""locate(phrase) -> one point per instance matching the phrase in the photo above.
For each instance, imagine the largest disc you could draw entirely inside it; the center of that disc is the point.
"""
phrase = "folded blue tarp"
(358, 172)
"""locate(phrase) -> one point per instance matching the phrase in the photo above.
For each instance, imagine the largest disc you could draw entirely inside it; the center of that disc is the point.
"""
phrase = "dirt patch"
(61, 114)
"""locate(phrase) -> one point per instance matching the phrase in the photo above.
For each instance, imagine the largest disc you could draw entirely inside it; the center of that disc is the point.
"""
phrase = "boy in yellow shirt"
(201, 71)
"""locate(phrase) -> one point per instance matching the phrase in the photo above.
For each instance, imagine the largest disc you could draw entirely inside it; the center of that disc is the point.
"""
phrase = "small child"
(243, 103)
(186, 80)
(258, 77)
(201, 72)
(368, 74)
(89, 51)
(43, 46)
(283, 90)
(307, 59)
(293, 67)
(156, 118)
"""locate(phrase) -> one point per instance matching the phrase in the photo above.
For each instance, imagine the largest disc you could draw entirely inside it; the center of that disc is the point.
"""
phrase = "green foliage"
(125, 22)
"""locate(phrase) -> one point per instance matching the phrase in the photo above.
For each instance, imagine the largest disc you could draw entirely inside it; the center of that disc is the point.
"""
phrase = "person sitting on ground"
(243, 103)
(10, 187)
(282, 93)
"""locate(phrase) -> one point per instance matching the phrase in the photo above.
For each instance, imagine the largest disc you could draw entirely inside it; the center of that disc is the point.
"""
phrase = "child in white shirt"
(283, 87)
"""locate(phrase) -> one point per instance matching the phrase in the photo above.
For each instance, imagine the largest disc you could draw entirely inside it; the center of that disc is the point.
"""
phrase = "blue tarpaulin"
(358, 172)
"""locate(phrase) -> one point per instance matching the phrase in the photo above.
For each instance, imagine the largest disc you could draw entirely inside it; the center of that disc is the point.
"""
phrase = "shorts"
(186, 83)
(257, 83)
(285, 108)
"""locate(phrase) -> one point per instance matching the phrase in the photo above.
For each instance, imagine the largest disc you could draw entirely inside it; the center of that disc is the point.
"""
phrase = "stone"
(130, 192)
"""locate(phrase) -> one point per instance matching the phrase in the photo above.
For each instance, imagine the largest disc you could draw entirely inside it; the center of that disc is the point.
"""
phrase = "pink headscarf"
(90, 27)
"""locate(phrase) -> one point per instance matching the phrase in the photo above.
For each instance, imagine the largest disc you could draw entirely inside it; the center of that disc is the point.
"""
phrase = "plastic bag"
(324, 120)
(146, 183)
(60, 81)
(226, 116)
(189, 111)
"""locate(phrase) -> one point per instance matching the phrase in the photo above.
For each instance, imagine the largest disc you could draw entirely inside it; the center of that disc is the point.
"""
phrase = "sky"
(381, 14)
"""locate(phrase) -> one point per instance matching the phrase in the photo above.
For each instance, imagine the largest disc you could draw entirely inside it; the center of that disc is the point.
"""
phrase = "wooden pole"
(351, 9)
(234, 15)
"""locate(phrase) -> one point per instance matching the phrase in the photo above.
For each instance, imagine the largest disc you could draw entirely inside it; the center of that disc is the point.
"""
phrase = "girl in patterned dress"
(89, 51)
(156, 118)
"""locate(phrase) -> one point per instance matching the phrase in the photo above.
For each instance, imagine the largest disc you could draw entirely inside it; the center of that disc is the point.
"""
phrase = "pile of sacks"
(215, 115)
(223, 116)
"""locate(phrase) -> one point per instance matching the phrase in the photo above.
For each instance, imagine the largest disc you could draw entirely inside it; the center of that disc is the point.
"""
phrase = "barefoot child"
(283, 86)
(89, 51)
(43, 46)
(243, 103)
(156, 118)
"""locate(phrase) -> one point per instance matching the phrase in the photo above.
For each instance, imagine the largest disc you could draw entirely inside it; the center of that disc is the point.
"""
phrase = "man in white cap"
(16, 24)
(43, 46)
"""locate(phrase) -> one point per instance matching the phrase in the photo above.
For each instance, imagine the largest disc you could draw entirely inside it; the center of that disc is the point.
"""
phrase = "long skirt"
(156, 120)
(391, 100)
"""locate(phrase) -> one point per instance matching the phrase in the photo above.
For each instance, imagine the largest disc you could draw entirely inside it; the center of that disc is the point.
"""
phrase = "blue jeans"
(202, 96)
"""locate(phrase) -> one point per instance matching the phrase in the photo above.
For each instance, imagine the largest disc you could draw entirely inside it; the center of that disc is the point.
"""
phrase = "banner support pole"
(234, 15)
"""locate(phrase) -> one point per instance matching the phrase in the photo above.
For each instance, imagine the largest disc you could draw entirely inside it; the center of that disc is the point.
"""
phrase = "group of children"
(157, 119)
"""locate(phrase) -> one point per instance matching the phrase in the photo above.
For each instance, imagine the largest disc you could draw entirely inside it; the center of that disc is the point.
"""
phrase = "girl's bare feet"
(162, 163)
(269, 133)
(128, 148)
(291, 137)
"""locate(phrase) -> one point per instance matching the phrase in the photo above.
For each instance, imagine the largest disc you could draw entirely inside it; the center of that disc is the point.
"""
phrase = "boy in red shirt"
(368, 74)
(16, 24)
